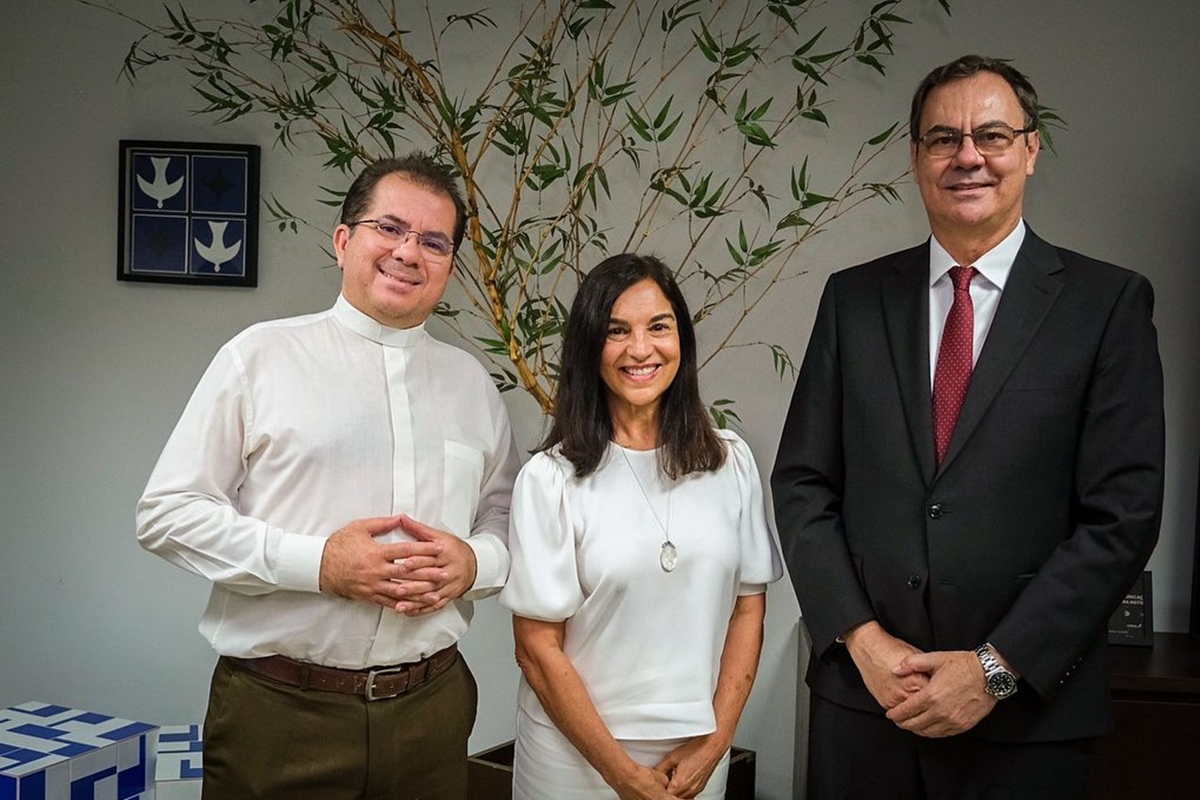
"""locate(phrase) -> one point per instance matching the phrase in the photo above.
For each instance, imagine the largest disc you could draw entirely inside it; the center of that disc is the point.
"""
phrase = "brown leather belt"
(379, 683)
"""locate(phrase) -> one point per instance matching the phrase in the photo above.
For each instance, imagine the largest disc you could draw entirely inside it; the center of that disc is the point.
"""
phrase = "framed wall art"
(189, 213)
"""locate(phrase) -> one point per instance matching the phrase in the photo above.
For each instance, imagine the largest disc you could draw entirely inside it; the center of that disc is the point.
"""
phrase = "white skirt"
(546, 766)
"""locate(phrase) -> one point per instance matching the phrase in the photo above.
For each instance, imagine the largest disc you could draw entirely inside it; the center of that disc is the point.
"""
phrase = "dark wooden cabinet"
(1153, 752)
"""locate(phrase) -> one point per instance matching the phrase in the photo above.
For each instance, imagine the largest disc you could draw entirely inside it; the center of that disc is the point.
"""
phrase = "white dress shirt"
(300, 426)
(646, 642)
(993, 267)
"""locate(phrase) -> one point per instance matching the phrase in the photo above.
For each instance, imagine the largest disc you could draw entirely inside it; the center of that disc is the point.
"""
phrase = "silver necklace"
(668, 556)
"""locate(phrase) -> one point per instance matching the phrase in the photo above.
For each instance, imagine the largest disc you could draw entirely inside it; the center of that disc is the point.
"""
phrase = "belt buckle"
(375, 673)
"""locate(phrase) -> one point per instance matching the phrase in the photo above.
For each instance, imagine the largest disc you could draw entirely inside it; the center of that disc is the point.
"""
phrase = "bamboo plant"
(579, 128)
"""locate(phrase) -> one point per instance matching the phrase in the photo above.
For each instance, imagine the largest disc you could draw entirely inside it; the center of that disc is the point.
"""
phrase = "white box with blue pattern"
(51, 752)
(180, 762)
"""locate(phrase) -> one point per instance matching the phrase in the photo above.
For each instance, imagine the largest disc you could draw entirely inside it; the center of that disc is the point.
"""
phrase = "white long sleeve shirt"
(300, 426)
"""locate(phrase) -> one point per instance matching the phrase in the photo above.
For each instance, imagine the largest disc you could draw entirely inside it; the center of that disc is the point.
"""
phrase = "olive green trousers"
(268, 741)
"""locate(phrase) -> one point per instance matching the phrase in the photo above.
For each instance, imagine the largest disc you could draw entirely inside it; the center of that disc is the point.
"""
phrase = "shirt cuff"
(491, 565)
(300, 562)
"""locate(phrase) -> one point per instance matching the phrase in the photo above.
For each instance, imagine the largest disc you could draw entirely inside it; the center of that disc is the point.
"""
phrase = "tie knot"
(961, 277)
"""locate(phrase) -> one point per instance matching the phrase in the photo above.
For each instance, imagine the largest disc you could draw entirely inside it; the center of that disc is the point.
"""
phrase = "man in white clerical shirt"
(343, 479)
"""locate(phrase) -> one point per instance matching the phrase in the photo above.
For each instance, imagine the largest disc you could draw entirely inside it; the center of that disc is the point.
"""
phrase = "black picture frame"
(188, 213)
(1133, 621)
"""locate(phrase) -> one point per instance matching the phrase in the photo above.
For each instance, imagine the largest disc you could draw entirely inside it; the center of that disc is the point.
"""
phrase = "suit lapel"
(1029, 293)
(904, 296)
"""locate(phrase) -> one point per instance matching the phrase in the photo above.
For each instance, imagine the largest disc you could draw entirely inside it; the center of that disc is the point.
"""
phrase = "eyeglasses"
(990, 140)
(434, 244)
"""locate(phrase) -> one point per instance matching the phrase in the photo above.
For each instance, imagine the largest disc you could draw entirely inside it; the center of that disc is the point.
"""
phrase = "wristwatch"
(998, 682)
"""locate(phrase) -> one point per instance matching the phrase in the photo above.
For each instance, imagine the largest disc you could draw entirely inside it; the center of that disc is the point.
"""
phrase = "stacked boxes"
(51, 752)
(180, 762)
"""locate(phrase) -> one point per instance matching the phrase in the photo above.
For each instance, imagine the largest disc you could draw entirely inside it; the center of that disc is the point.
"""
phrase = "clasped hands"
(930, 694)
(682, 774)
(412, 578)
(690, 766)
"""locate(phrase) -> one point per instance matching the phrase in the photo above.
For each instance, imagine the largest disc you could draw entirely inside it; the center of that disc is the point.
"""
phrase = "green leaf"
(677, 14)
(494, 346)
(782, 361)
(639, 125)
(804, 66)
(812, 199)
(758, 112)
(816, 115)
(755, 134)
(577, 26)
(708, 46)
(885, 191)
(471, 20)
(872, 62)
(804, 48)
(792, 220)
(782, 12)
(760, 192)
(666, 132)
(826, 57)
(800, 182)
(735, 254)
(616, 93)
(663, 112)
(1047, 119)
(880, 138)
(722, 413)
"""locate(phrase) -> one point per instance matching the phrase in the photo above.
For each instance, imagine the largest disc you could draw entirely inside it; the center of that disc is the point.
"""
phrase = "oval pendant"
(668, 557)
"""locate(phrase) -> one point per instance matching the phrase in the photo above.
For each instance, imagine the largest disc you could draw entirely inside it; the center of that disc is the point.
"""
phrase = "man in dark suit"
(969, 478)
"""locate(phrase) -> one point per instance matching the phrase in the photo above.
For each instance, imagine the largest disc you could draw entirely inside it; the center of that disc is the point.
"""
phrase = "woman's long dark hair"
(582, 423)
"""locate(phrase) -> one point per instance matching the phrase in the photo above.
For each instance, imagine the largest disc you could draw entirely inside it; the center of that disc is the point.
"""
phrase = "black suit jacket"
(1044, 509)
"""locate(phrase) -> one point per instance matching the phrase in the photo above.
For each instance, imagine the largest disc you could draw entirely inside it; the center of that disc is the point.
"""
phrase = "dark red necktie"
(953, 371)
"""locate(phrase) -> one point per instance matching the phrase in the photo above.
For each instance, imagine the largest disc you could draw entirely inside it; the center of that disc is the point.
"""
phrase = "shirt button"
(935, 511)
(914, 581)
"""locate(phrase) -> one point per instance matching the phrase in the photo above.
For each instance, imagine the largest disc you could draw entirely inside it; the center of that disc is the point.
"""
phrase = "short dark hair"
(965, 67)
(417, 167)
(582, 424)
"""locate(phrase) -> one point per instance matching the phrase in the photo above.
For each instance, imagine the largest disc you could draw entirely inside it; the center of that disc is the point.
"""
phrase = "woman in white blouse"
(640, 558)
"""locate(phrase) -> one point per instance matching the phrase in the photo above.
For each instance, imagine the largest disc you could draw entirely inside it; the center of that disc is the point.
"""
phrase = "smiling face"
(396, 284)
(973, 201)
(641, 353)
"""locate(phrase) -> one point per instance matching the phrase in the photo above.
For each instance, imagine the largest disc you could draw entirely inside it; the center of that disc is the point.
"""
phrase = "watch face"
(1001, 685)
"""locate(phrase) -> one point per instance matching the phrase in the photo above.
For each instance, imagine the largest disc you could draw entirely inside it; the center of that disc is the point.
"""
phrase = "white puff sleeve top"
(646, 642)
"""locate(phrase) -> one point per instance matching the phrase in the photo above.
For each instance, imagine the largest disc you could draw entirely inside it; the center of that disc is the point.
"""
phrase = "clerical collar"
(994, 265)
(368, 328)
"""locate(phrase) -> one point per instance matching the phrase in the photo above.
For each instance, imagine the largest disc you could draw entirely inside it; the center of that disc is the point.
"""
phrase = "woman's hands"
(692, 764)
(642, 783)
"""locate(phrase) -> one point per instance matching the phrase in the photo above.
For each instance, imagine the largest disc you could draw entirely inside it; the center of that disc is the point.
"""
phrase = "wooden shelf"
(1172, 666)
(1151, 753)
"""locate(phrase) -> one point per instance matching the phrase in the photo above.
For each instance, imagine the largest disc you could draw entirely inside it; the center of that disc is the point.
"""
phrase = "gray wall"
(96, 371)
